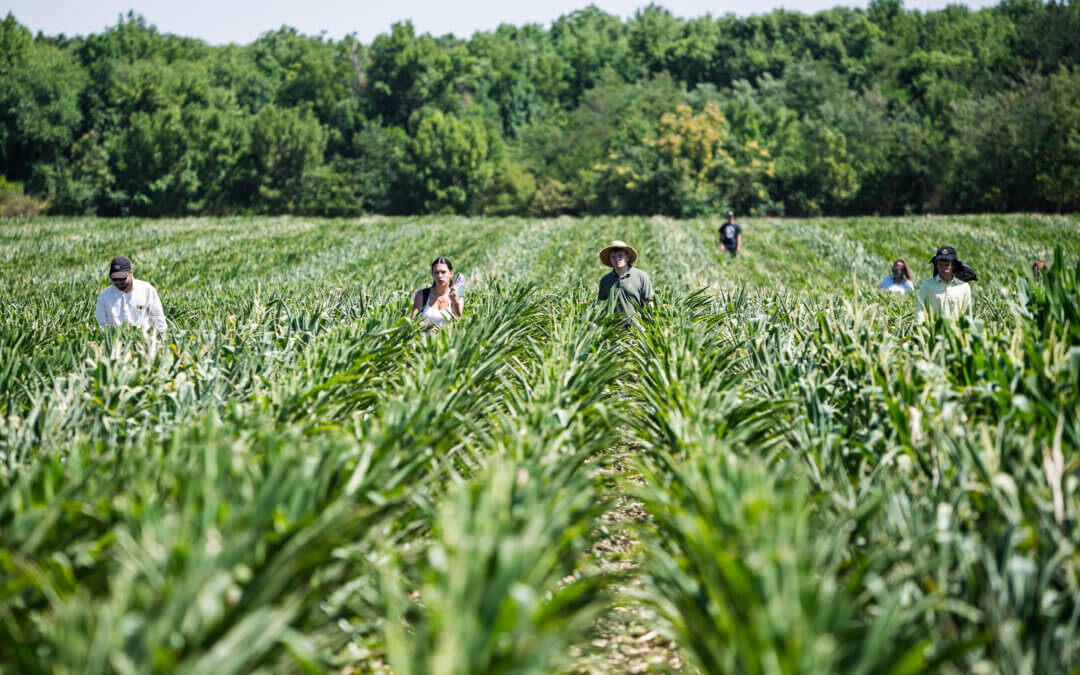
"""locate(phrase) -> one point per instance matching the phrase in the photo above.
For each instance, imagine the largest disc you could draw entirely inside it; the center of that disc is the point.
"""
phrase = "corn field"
(772, 471)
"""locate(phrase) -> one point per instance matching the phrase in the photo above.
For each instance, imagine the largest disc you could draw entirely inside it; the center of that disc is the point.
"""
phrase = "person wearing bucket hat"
(947, 294)
(627, 287)
(129, 300)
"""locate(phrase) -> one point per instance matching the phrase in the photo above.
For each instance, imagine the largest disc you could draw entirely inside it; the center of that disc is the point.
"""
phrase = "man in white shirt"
(944, 295)
(129, 300)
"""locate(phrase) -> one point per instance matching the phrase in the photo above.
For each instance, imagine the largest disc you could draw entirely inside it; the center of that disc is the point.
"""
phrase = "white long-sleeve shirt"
(950, 300)
(140, 307)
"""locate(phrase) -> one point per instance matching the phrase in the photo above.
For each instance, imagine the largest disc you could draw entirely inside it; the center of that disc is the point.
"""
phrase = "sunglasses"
(118, 280)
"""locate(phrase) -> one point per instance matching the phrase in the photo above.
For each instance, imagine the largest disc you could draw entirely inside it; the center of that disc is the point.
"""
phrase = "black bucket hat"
(944, 253)
(961, 270)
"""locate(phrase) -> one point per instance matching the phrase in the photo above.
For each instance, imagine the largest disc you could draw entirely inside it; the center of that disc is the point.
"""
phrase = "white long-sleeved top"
(140, 307)
(942, 299)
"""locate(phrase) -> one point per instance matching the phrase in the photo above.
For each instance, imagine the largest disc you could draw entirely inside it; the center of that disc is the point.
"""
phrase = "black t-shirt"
(730, 232)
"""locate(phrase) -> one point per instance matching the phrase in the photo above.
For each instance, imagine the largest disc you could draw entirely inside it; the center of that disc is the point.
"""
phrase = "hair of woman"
(443, 261)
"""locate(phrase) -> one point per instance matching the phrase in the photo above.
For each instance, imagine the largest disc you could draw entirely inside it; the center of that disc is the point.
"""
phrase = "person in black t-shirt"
(731, 235)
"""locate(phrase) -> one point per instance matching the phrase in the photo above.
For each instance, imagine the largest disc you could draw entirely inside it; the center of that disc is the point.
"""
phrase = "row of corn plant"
(940, 464)
(296, 478)
(246, 526)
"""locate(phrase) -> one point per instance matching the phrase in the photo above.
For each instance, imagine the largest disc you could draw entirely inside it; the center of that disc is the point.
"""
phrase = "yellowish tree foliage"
(690, 164)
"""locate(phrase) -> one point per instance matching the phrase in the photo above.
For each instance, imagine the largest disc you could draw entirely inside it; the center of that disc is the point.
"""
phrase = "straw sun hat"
(605, 254)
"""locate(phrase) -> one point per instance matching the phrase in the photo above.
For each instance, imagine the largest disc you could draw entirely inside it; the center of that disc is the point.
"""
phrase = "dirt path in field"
(626, 640)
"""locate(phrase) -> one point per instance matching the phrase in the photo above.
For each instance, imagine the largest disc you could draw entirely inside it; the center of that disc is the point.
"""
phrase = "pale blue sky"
(241, 21)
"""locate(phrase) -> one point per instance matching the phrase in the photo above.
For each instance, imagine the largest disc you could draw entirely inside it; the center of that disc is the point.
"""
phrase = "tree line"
(847, 111)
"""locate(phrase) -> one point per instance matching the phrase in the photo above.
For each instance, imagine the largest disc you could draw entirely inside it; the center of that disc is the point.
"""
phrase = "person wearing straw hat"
(628, 287)
(947, 294)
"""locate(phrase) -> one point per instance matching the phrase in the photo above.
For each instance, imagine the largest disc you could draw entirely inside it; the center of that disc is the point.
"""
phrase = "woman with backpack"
(440, 303)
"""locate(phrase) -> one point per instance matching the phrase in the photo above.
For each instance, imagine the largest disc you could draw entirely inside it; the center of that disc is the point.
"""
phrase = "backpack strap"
(427, 294)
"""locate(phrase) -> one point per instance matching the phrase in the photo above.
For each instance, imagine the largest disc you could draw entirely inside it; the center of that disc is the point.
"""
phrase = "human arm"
(647, 292)
(738, 242)
(157, 314)
(920, 306)
(417, 301)
(457, 304)
(99, 312)
(967, 307)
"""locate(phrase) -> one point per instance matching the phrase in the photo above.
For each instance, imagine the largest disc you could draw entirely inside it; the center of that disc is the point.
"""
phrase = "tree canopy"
(883, 110)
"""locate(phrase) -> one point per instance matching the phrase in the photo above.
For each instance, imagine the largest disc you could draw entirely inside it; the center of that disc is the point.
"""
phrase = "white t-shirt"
(901, 288)
(140, 307)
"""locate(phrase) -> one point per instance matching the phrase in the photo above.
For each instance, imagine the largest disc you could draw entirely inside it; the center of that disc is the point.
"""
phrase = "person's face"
(944, 267)
(897, 271)
(731, 219)
(619, 258)
(440, 274)
(121, 279)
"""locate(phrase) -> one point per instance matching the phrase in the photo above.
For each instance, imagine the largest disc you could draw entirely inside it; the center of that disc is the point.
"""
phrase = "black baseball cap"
(119, 264)
(944, 253)
(730, 213)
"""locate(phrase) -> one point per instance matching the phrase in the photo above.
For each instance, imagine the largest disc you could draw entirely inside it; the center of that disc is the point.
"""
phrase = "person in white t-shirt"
(900, 279)
(129, 300)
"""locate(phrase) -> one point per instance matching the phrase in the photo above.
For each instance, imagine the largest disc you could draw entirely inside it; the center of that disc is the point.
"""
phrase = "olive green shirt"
(632, 290)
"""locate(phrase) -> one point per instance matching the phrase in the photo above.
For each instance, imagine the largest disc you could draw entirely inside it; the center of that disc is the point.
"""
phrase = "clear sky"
(242, 21)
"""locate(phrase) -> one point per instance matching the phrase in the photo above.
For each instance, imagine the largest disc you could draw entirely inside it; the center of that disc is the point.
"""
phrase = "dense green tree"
(689, 165)
(879, 110)
(521, 74)
(895, 155)
(653, 34)
(84, 184)
(287, 147)
(406, 72)
(448, 164)
(1017, 150)
(612, 116)
(592, 42)
(305, 71)
(1045, 32)
(40, 117)
(375, 169)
